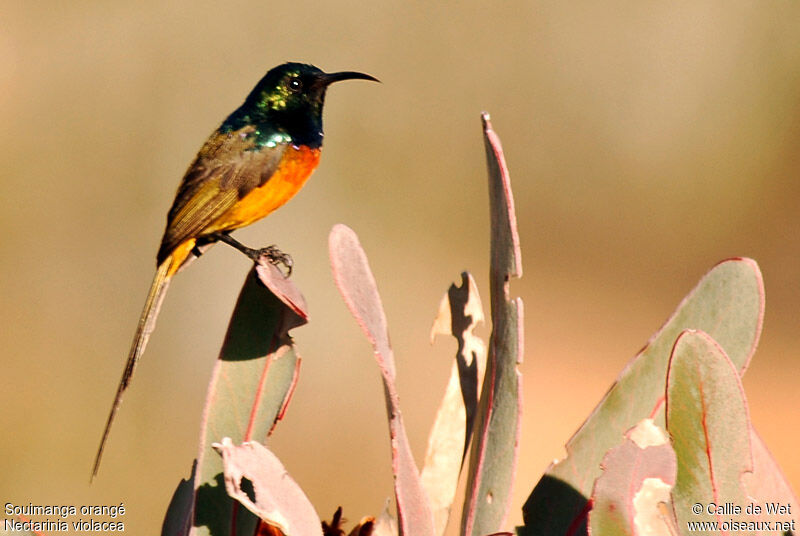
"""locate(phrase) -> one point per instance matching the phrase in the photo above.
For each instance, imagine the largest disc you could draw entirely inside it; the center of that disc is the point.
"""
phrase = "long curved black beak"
(326, 79)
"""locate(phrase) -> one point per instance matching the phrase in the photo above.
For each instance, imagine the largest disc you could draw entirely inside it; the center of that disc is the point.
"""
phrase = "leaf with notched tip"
(459, 312)
(497, 426)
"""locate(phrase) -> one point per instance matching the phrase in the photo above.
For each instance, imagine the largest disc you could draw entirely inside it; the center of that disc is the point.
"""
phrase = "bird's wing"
(227, 168)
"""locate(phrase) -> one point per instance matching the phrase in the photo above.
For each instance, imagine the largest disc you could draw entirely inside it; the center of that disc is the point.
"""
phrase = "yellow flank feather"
(179, 256)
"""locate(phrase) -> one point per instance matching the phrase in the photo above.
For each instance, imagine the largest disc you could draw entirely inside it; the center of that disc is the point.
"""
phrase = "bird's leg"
(273, 254)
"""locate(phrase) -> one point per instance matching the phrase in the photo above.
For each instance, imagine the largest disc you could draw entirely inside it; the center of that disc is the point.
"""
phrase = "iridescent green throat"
(275, 128)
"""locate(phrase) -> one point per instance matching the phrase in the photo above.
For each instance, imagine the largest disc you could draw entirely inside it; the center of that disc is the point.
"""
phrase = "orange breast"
(295, 168)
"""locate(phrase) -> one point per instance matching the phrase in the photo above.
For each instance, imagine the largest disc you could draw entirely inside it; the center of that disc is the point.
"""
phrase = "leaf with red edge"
(637, 476)
(250, 387)
(709, 425)
(727, 303)
(276, 497)
(459, 313)
(767, 484)
(495, 442)
(355, 282)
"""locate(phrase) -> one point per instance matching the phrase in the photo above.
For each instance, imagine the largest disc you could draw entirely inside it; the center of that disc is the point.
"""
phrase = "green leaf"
(250, 387)
(709, 425)
(728, 303)
(496, 439)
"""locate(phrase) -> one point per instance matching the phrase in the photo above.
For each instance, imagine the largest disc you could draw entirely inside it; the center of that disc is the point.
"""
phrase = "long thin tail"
(147, 322)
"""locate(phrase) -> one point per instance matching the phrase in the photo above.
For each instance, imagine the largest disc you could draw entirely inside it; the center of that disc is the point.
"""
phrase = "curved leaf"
(250, 387)
(708, 422)
(277, 499)
(355, 282)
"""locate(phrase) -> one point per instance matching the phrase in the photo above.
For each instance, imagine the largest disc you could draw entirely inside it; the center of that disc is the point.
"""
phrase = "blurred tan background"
(646, 142)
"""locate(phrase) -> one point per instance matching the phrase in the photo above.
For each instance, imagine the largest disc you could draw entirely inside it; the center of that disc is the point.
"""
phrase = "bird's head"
(297, 86)
(290, 98)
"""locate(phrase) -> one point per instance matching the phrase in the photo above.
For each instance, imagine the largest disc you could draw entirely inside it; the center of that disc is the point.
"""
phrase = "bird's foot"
(274, 256)
(272, 253)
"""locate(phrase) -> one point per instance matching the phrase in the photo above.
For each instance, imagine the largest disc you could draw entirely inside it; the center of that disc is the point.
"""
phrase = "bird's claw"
(276, 257)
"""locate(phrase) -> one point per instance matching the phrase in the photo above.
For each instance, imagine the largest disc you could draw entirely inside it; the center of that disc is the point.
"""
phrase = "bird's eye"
(295, 84)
